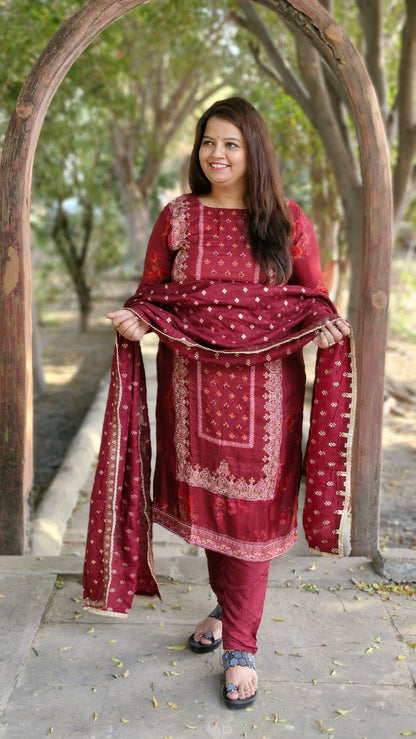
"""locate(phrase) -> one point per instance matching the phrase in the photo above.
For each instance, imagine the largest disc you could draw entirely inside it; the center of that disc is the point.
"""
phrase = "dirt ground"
(75, 363)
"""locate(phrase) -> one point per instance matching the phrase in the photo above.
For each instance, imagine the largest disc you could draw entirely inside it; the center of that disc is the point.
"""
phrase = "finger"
(343, 326)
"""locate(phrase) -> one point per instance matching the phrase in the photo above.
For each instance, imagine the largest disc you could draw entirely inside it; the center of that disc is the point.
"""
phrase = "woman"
(233, 286)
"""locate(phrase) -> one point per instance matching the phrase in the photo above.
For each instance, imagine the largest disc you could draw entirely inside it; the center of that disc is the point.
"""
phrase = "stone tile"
(24, 600)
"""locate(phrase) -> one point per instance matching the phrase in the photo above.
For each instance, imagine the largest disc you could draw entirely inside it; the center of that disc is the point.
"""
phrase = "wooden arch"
(71, 39)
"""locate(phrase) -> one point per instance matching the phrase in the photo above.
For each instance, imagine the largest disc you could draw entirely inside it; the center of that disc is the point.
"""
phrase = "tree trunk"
(138, 221)
(83, 292)
(39, 385)
(135, 200)
(327, 220)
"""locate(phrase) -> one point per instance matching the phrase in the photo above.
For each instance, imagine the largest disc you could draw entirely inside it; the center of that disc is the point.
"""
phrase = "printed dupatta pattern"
(233, 323)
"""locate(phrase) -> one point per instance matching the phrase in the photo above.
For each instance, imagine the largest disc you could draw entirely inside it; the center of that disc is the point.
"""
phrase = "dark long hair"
(269, 223)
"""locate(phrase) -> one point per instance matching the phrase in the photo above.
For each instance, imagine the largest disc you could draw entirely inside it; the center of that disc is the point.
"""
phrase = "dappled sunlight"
(62, 374)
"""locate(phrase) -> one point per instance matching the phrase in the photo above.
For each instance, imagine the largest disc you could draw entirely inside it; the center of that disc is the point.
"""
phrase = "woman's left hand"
(331, 333)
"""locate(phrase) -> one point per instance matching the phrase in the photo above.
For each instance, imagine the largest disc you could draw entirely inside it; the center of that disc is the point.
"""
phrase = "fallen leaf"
(91, 630)
(369, 650)
(94, 717)
(65, 649)
(125, 720)
(340, 664)
(334, 672)
(191, 727)
(155, 703)
(278, 720)
(402, 656)
(277, 619)
(321, 728)
(112, 641)
(172, 705)
(151, 605)
(341, 712)
(173, 663)
(50, 731)
(411, 644)
(312, 568)
(314, 682)
(179, 648)
(408, 733)
(313, 589)
(59, 584)
(77, 600)
(79, 615)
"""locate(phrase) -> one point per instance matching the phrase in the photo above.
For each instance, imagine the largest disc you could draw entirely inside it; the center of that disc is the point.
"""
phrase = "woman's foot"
(240, 678)
(208, 633)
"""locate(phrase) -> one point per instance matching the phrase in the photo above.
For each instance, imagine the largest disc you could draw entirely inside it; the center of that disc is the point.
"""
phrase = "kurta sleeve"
(159, 254)
(305, 252)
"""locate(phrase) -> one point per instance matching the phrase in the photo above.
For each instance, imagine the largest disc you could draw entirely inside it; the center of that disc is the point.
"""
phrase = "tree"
(75, 181)
(156, 53)
(142, 78)
(314, 89)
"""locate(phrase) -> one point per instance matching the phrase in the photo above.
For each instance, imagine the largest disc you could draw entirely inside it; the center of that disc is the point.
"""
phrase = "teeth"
(218, 166)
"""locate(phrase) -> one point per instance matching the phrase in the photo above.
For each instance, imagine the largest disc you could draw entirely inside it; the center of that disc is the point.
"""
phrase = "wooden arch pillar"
(16, 443)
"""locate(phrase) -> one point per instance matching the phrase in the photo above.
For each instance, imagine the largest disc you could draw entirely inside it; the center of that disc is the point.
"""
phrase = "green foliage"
(131, 76)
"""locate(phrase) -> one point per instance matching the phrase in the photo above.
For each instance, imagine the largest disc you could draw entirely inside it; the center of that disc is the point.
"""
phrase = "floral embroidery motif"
(247, 431)
(222, 396)
(252, 551)
(179, 209)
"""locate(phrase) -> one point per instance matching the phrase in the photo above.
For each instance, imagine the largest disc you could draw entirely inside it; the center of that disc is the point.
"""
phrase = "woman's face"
(223, 155)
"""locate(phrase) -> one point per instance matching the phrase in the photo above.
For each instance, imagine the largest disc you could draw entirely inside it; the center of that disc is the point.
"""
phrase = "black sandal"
(233, 658)
(196, 646)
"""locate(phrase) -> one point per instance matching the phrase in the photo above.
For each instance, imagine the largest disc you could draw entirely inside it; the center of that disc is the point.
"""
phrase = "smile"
(218, 166)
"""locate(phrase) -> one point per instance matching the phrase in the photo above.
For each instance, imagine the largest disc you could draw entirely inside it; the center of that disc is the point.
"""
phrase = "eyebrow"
(225, 138)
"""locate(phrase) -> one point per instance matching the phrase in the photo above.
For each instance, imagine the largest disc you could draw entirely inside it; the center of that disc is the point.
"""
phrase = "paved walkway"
(333, 659)
(336, 658)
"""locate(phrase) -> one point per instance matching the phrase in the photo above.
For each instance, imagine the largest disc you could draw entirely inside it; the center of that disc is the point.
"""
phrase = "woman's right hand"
(128, 324)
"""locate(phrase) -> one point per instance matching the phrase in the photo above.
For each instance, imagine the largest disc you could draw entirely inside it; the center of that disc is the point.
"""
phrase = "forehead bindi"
(221, 129)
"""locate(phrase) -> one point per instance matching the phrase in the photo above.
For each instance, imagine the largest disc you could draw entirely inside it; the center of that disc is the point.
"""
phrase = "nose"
(218, 149)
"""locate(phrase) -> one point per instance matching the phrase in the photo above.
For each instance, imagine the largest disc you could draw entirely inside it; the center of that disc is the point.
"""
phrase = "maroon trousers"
(240, 587)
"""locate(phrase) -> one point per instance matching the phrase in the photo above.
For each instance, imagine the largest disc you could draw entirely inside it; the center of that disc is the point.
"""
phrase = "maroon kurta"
(229, 408)
(229, 438)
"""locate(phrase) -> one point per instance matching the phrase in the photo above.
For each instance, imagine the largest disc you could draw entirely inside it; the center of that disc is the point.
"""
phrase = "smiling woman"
(223, 160)
(232, 286)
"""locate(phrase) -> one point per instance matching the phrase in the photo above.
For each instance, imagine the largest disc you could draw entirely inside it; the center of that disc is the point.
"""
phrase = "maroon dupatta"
(233, 323)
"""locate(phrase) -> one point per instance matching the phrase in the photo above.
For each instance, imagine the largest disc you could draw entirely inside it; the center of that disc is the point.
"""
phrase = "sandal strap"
(217, 612)
(237, 657)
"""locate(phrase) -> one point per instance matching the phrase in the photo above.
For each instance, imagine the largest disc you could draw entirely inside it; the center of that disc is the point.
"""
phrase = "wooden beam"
(15, 288)
(371, 334)
(16, 436)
